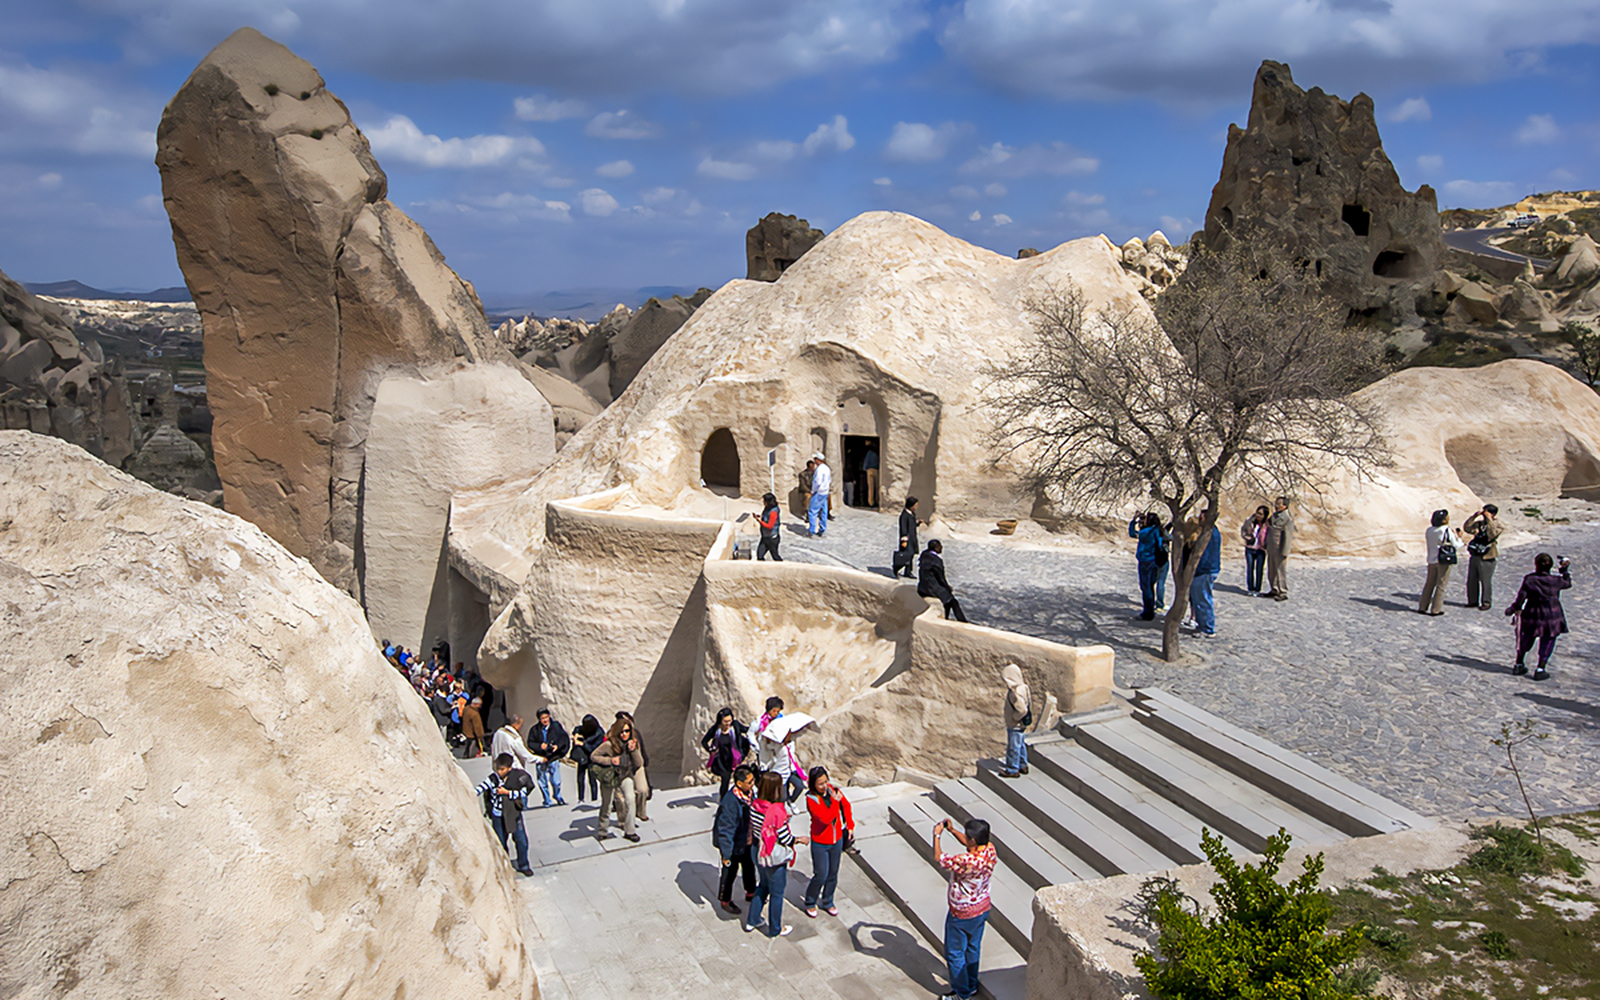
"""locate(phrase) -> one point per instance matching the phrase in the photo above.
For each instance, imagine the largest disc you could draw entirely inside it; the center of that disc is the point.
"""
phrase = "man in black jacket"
(931, 581)
(549, 742)
(905, 552)
(730, 832)
(505, 794)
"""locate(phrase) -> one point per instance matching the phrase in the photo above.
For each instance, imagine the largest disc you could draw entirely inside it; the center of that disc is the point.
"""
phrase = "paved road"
(1476, 241)
(1346, 672)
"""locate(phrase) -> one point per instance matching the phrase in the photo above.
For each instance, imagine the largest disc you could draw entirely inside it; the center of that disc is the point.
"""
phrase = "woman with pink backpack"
(772, 843)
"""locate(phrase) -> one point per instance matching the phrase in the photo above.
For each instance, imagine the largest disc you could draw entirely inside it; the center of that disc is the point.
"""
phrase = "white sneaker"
(787, 928)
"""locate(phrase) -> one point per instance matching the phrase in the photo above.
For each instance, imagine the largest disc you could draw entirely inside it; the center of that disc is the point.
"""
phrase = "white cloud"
(917, 142)
(975, 216)
(964, 192)
(1175, 228)
(1430, 163)
(1538, 129)
(883, 181)
(779, 150)
(834, 135)
(1479, 194)
(50, 180)
(503, 209)
(53, 109)
(995, 190)
(399, 137)
(620, 125)
(539, 108)
(596, 201)
(1056, 159)
(656, 196)
(616, 168)
(724, 170)
(1204, 51)
(1412, 109)
(595, 47)
(1079, 198)
(1001, 219)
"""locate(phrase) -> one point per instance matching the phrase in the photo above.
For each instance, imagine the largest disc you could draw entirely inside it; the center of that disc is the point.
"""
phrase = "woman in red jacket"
(769, 529)
(831, 822)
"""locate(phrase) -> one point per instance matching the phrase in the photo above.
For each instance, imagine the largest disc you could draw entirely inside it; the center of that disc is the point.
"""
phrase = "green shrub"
(1512, 850)
(1390, 939)
(1266, 941)
(1496, 945)
(271, 89)
(316, 133)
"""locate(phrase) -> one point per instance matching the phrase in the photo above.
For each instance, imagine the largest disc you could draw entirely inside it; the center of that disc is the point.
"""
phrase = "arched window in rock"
(719, 462)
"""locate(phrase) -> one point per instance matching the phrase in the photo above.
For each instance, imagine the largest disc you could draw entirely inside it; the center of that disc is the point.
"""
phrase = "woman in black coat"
(585, 738)
(1539, 603)
(905, 552)
(727, 744)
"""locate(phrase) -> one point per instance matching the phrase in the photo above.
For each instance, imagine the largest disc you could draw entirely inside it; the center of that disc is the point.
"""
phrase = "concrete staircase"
(1126, 790)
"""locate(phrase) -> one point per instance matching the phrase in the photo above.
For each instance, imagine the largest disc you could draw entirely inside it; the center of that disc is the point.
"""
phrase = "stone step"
(1330, 797)
(895, 868)
(1029, 851)
(1012, 898)
(1075, 824)
(1223, 801)
(1155, 820)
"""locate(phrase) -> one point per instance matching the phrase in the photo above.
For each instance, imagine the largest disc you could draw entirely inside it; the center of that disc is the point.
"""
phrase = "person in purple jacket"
(1539, 603)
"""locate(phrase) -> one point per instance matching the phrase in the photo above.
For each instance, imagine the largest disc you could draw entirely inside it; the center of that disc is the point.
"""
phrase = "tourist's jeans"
(962, 941)
(1205, 612)
(1161, 585)
(1480, 582)
(740, 863)
(518, 835)
(770, 883)
(549, 779)
(817, 513)
(1016, 750)
(1255, 566)
(586, 776)
(1147, 586)
(824, 874)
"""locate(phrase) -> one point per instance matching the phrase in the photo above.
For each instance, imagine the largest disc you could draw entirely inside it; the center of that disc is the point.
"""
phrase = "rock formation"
(1312, 167)
(50, 383)
(773, 245)
(1155, 262)
(1580, 262)
(214, 785)
(313, 288)
(877, 333)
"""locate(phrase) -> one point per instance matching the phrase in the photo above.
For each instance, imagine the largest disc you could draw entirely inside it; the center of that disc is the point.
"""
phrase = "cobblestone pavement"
(1345, 672)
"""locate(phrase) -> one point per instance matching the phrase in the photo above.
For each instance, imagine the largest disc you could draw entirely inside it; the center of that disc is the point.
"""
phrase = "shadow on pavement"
(697, 881)
(1383, 604)
(1472, 663)
(903, 950)
(1564, 704)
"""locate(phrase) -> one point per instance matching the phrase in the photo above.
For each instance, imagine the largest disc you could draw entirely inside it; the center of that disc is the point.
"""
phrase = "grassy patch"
(1488, 928)
(1458, 349)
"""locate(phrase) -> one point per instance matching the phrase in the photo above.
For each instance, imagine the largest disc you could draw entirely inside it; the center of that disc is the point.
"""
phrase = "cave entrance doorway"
(862, 457)
(719, 463)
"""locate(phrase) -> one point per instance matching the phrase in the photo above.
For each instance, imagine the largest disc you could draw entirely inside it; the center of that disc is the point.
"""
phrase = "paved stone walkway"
(1346, 672)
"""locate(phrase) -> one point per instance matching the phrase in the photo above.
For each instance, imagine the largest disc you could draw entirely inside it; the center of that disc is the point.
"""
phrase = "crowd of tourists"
(1268, 537)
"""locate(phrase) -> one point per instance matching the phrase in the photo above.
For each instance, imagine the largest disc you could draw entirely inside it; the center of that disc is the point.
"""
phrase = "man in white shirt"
(821, 485)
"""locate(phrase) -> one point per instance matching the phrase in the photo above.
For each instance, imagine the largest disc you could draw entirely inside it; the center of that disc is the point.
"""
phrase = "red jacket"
(828, 822)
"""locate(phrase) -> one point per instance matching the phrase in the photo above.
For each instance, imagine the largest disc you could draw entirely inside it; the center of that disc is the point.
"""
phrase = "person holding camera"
(968, 896)
(1485, 529)
(1539, 604)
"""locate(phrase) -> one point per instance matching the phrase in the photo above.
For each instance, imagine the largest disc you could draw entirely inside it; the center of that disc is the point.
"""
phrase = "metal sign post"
(772, 464)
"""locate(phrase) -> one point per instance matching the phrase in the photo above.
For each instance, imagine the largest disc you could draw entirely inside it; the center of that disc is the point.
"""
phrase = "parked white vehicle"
(1524, 220)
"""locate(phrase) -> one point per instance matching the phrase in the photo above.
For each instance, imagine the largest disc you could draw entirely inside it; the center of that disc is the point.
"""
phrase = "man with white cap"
(821, 485)
(1019, 715)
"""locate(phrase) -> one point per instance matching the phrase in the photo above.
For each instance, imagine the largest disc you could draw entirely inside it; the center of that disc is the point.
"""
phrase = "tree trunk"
(1182, 576)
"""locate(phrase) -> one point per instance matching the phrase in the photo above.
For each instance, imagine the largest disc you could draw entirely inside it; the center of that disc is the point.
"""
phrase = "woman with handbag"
(1444, 548)
(726, 744)
(773, 844)
(831, 831)
(585, 738)
(616, 756)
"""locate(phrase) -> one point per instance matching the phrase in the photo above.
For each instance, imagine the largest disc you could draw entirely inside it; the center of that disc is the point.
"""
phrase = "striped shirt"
(497, 801)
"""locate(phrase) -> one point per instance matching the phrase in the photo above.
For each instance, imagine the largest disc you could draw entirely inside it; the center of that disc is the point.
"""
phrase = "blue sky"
(618, 143)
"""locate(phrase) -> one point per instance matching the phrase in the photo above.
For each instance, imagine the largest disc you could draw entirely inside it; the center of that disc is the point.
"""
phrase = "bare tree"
(1248, 387)
(1585, 348)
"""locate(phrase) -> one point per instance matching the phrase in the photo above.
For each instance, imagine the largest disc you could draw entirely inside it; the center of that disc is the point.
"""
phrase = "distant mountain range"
(577, 303)
(78, 290)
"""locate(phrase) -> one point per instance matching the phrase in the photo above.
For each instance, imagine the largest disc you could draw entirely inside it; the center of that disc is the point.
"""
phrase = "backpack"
(1162, 554)
(770, 853)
